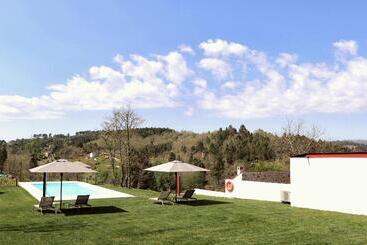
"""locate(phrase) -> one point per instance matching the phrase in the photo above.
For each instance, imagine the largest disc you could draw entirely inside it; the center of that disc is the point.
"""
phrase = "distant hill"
(362, 142)
(356, 145)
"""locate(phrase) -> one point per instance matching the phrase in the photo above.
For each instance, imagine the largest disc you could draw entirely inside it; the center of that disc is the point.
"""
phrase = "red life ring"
(229, 186)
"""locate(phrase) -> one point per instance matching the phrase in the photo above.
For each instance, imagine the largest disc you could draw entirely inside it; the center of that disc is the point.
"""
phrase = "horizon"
(183, 65)
(68, 134)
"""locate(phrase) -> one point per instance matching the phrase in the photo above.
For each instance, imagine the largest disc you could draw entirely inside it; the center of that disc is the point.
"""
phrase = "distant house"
(92, 155)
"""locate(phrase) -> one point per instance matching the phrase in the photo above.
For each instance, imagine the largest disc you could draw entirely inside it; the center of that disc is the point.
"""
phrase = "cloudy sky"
(182, 64)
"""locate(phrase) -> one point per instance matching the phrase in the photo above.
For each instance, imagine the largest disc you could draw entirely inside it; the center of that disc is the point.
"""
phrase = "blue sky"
(187, 65)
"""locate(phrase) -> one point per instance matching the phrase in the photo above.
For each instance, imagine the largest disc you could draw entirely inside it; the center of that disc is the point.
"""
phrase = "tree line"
(123, 149)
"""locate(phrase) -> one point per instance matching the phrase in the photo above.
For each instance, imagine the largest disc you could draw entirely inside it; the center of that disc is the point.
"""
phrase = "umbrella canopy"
(61, 166)
(83, 164)
(176, 167)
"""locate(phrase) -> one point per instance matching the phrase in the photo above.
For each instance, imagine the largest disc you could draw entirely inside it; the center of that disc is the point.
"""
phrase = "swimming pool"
(70, 190)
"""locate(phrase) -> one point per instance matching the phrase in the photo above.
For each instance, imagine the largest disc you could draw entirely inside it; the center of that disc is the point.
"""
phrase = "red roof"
(335, 155)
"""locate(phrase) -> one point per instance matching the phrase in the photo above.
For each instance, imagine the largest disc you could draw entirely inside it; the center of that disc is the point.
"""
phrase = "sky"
(187, 65)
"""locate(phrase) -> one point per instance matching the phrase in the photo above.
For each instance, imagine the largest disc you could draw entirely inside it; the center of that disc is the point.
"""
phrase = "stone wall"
(272, 177)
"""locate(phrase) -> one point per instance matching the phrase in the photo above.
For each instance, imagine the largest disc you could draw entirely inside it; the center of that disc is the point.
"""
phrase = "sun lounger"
(187, 196)
(46, 203)
(163, 198)
(81, 201)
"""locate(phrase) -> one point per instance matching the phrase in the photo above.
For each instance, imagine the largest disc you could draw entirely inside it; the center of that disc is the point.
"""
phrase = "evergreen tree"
(3, 154)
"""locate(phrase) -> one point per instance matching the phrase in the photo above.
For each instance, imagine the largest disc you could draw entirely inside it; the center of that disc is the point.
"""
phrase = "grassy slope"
(217, 220)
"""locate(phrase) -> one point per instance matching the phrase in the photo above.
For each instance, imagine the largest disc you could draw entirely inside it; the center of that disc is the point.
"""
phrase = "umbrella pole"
(177, 186)
(61, 190)
(44, 184)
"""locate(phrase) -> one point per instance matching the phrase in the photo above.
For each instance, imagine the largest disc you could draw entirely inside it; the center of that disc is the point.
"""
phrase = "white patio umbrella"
(176, 167)
(61, 166)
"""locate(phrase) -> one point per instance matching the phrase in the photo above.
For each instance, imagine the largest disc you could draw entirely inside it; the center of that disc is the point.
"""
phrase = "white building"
(262, 187)
(324, 181)
(333, 182)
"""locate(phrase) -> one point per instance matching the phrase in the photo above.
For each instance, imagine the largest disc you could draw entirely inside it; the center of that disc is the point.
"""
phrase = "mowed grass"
(210, 221)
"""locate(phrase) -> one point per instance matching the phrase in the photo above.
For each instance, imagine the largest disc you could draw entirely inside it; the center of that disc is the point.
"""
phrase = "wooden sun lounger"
(187, 196)
(46, 203)
(163, 198)
(81, 201)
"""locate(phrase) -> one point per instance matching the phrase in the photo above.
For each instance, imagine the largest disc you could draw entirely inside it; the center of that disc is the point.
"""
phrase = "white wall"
(334, 184)
(257, 190)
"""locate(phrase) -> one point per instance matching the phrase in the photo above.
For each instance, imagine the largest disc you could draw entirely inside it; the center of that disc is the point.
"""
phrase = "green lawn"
(211, 221)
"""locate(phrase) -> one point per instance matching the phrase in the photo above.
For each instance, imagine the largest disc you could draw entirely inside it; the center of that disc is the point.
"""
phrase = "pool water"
(68, 189)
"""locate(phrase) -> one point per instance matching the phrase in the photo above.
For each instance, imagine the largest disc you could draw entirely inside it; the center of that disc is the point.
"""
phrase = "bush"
(6, 181)
(102, 176)
(164, 181)
(263, 166)
(193, 180)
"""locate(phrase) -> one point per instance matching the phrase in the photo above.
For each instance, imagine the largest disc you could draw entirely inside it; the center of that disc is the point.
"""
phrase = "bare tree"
(296, 138)
(109, 139)
(121, 126)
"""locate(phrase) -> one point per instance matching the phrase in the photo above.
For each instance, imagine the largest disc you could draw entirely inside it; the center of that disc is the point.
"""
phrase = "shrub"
(262, 166)
(164, 181)
(193, 180)
(102, 176)
(6, 181)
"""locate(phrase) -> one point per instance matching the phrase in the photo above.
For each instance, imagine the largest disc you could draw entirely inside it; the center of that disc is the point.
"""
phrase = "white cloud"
(348, 47)
(217, 67)
(143, 68)
(270, 87)
(345, 49)
(201, 83)
(14, 106)
(285, 59)
(221, 47)
(176, 69)
(200, 86)
(186, 49)
(140, 81)
(229, 85)
(119, 59)
(309, 88)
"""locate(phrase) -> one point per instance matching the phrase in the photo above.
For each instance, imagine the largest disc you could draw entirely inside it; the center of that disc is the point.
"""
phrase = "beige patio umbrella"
(61, 166)
(176, 167)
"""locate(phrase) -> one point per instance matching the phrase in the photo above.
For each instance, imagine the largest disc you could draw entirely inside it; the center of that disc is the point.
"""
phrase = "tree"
(122, 124)
(109, 139)
(296, 138)
(172, 156)
(261, 148)
(3, 154)
(35, 151)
